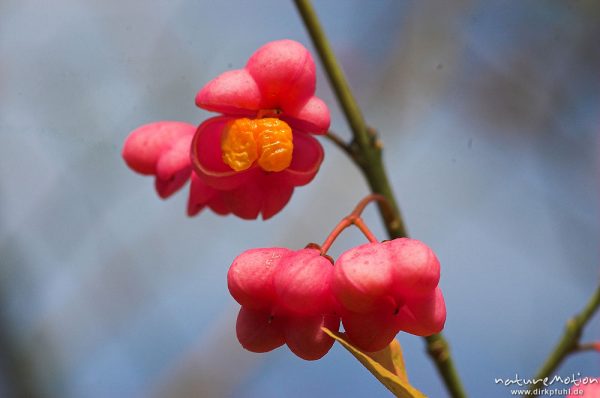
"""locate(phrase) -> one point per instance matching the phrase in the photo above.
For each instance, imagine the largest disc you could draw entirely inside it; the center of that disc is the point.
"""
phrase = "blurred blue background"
(489, 111)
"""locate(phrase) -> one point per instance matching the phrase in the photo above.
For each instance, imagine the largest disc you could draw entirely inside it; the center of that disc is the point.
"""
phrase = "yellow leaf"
(391, 371)
(392, 359)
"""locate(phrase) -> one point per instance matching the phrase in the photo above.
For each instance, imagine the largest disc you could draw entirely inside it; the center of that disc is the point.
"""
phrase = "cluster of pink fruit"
(247, 162)
(376, 290)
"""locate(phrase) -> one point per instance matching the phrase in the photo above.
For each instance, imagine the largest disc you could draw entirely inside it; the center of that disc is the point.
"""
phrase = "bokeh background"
(489, 111)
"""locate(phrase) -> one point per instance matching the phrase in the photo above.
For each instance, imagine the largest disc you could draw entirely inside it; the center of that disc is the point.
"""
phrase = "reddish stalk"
(354, 219)
(358, 222)
(374, 197)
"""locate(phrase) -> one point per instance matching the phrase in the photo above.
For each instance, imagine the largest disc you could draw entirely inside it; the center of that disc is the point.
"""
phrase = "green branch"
(366, 151)
(569, 341)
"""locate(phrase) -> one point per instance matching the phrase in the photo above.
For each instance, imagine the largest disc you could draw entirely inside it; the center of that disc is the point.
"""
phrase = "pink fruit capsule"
(399, 268)
(303, 283)
(387, 287)
(161, 149)
(306, 339)
(362, 275)
(416, 267)
(424, 315)
(258, 331)
(250, 277)
(371, 331)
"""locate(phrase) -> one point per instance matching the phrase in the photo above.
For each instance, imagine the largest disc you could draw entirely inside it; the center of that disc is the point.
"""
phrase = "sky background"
(489, 112)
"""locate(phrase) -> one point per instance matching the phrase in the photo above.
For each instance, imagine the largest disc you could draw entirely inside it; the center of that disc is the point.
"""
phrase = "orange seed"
(268, 141)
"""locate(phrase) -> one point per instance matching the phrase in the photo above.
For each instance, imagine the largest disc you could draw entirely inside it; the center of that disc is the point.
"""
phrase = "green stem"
(366, 151)
(569, 341)
(366, 148)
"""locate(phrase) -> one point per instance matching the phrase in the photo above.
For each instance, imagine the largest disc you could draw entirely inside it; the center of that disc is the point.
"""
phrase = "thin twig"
(569, 342)
(340, 143)
(583, 347)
